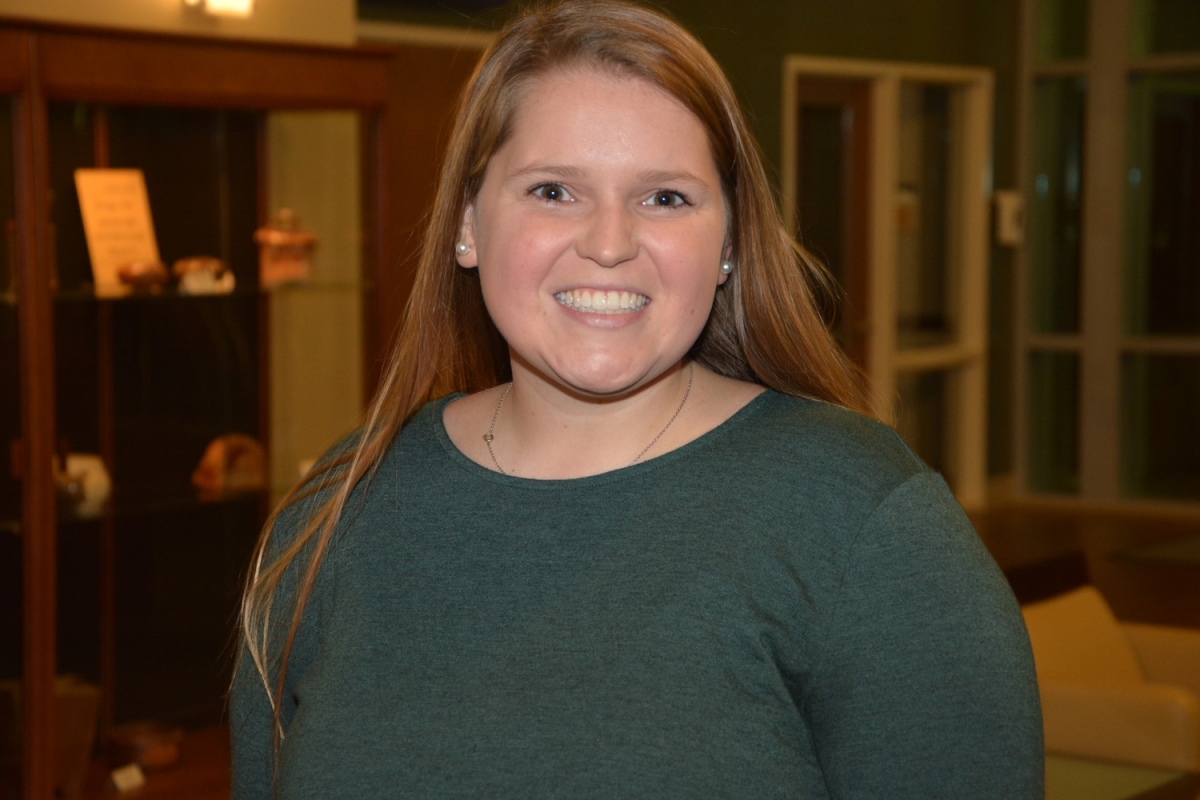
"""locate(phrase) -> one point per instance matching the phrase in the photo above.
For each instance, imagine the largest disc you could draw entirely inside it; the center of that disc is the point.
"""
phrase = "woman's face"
(599, 231)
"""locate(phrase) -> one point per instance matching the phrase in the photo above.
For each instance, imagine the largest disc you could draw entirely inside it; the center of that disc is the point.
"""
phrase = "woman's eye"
(665, 197)
(550, 192)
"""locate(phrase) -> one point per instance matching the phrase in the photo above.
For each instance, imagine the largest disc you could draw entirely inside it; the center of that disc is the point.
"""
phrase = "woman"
(613, 527)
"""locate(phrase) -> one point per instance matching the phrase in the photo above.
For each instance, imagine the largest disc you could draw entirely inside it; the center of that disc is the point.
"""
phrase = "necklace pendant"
(487, 437)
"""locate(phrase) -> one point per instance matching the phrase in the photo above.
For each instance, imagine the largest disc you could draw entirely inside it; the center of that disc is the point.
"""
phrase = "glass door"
(928, 270)
(885, 171)
(1160, 359)
(1111, 279)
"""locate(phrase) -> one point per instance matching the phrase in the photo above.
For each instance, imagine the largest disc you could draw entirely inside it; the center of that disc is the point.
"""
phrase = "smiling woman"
(598, 231)
(615, 524)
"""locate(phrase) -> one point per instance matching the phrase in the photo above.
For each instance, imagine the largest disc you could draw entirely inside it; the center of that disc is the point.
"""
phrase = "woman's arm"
(251, 719)
(925, 685)
(250, 723)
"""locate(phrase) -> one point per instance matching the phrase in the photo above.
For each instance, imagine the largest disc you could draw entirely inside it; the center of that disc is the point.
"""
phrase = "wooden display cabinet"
(139, 598)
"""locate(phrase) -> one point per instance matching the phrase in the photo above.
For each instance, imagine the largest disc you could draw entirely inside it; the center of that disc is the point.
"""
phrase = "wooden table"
(1071, 778)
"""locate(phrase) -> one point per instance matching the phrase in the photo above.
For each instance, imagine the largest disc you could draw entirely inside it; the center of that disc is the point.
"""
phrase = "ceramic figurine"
(284, 251)
(203, 275)
(232, 463)
(146, 276)
(83, 483)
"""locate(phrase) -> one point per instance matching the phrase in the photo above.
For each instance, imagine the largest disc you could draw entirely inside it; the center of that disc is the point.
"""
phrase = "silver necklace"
(488, 437)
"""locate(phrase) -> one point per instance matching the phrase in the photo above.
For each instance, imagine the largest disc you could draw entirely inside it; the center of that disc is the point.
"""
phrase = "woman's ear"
(726, 258)
(464, 248)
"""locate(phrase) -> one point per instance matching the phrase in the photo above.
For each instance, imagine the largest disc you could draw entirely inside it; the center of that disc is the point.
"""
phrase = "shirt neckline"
(703, 441)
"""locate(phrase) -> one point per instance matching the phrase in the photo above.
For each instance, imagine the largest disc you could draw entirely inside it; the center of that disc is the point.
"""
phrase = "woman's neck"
(545, 431)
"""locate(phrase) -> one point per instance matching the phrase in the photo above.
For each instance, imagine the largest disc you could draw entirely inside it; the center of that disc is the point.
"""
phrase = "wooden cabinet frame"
(43, 63)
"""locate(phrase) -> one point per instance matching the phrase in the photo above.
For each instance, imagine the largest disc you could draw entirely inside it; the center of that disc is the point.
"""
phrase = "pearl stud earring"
(726, 267)
(462, 248)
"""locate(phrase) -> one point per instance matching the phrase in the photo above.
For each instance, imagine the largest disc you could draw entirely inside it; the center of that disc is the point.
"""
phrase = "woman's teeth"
(590, 302)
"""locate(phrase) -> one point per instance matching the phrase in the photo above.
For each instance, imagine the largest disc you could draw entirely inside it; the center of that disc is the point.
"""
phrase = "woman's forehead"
(581, 116)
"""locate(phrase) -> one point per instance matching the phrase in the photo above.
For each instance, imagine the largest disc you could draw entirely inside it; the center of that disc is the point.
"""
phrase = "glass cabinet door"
(184, 412)
(10, 488)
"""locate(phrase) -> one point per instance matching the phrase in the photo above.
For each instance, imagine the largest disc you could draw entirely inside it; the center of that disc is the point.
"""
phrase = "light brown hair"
(765, 326)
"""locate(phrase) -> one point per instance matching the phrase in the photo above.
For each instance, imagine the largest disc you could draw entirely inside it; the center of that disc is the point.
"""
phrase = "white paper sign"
(116, 220)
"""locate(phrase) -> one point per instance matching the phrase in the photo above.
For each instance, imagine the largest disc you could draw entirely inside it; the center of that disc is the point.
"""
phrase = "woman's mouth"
(596, 301)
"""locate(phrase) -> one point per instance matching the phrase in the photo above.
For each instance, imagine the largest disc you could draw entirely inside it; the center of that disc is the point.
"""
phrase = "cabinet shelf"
(146, 501)
(172, 293)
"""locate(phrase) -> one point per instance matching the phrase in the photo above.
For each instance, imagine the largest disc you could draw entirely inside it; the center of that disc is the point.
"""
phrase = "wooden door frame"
(968, 355)
(33, 461)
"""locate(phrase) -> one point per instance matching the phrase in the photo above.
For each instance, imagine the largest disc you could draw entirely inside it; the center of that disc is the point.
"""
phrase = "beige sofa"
(1115, 691)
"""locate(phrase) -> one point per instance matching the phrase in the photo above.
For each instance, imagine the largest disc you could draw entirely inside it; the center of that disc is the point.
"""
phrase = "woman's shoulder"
(818, 438)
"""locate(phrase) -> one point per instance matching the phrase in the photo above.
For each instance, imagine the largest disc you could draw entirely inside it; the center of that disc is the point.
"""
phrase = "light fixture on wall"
(223, 8)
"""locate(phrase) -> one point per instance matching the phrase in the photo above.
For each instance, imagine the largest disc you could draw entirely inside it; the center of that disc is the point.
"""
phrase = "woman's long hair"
(765, 326)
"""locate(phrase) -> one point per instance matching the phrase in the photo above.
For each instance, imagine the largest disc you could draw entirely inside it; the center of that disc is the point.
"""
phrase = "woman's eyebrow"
(653, 176)
(554, 170)
(668, 176)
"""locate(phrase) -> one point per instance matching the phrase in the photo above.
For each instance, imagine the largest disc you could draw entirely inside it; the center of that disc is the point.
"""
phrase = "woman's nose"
(609, 236)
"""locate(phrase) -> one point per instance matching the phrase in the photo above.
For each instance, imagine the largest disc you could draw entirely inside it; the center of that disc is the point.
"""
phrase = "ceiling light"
(223, 8)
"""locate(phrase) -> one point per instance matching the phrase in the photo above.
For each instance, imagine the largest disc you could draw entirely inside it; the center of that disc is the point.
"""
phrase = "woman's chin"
(612, 381)
(592, 386)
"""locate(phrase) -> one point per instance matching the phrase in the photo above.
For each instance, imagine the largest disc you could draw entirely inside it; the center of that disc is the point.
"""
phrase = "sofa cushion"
(1076, 638)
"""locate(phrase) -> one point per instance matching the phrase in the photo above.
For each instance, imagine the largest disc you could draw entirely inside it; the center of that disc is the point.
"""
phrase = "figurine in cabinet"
(284, 251)
(232, 463)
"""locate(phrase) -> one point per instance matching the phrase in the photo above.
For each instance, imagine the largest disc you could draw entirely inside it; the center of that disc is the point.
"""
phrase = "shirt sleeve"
(925, 685)
(251, 740)
(250, 715)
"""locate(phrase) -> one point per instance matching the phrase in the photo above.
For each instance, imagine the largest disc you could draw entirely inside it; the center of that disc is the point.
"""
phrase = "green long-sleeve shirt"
(790, 606)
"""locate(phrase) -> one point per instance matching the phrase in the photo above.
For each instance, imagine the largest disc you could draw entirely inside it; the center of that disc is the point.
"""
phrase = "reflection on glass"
(1054, 212)
(1162, 289)
(1053, 443)
(1164, 26)
(10, 489)
(926, 228)
(922, 416)
(1161, 443)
